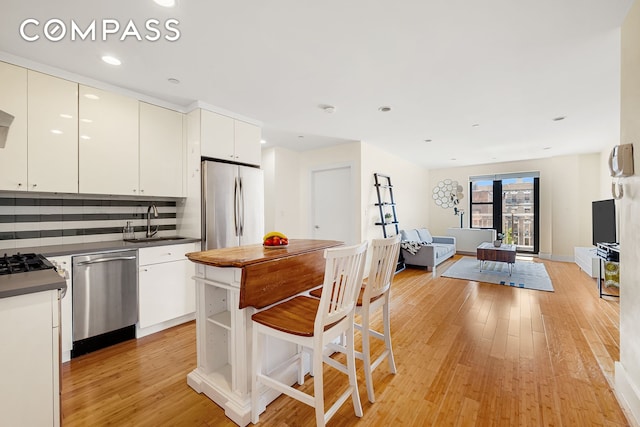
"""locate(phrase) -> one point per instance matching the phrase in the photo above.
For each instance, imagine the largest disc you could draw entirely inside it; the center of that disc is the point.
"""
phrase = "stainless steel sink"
(154, 239)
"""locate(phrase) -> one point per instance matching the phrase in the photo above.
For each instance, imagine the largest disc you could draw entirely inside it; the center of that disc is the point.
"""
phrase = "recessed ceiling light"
(173, 80)
(86, 120)
(428, 140)
(91, 96)
(85, 137)
(165, 3)
(475, 125)
(453, 158)
(111, 60)
(300, 136)
(66, 116)
(56, 131)
(547, 148)
(262, 141)
(557, 119)
(328, 109)
(384, 109)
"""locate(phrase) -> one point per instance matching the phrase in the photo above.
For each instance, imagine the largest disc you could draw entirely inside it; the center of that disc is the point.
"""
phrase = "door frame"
(352, 208)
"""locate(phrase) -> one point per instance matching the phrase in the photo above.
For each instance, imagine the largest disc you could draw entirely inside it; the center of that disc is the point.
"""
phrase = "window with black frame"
(508, 203)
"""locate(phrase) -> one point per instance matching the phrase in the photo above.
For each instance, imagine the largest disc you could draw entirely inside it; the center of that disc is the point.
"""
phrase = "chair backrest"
(343, 274)
(384, 259)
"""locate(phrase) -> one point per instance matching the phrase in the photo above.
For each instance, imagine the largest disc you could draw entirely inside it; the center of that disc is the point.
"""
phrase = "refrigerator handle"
(241, 207)
(235, 206)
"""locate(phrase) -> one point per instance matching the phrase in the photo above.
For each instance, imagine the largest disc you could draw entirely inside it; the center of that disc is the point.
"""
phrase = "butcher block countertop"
(271, 275)
(243, 256)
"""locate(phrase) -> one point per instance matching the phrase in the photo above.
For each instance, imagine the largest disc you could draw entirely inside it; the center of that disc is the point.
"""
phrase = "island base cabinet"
(224, 336)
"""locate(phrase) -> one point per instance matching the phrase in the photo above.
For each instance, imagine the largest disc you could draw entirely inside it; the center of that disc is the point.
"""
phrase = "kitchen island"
(231, 285)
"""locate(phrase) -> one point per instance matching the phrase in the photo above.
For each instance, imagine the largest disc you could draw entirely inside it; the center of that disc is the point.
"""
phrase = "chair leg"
(366, 356)
(318, 386)
(351, 368)
(387, 335)
(256, 369)
(300, 350)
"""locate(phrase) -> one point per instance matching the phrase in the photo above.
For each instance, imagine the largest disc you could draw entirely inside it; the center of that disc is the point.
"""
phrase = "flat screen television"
(603, 219)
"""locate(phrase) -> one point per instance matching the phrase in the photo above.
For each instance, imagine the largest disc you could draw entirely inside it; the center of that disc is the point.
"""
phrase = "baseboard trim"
(627, 394)
(143, 332)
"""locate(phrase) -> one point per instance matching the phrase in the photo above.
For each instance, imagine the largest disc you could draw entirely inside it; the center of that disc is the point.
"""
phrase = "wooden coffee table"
(488, 252)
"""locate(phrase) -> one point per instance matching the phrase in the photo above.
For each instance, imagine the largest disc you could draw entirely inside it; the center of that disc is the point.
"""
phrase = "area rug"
(525, 274)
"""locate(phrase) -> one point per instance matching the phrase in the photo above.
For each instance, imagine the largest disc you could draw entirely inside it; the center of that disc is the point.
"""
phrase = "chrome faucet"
(155, 214)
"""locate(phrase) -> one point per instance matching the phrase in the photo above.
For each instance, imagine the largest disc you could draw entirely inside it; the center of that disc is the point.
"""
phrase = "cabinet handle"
(169, 253)
(142, 191)
(19, 184)
(135, 190)
(35, 185)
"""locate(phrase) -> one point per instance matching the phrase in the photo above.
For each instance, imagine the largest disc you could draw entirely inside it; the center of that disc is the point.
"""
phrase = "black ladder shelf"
(387, 208)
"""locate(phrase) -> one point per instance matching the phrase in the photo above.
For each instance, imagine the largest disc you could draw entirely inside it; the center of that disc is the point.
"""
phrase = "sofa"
(420, 249)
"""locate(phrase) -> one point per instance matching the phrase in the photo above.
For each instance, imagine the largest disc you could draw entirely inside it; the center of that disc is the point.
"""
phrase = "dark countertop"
(85, 248)
(44, 280)
(12, 285)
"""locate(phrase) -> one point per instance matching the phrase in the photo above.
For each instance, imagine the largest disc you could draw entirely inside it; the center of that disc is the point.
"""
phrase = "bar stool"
(373, 296)
(312, 323)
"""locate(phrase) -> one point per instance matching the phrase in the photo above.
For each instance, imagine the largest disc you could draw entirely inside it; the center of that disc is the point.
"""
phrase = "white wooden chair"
(312, 323)
(373, 296)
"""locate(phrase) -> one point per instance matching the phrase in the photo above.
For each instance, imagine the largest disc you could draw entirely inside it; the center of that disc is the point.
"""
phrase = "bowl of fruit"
(275, 240)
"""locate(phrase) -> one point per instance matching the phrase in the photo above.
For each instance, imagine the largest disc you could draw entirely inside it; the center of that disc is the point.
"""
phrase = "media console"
(587, 259)
(607, 252)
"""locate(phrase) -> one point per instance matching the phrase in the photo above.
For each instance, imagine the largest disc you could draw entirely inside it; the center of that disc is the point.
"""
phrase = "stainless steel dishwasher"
(105, 299)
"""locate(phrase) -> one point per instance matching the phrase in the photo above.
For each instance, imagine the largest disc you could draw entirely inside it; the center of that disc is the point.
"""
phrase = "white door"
(332, 205)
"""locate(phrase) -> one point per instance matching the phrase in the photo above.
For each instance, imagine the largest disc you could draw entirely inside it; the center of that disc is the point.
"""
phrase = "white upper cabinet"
(13, 100)
(228, 139)
(108, 142)
(217, 136)
(161, 151)
(52, 134)
(247, 143)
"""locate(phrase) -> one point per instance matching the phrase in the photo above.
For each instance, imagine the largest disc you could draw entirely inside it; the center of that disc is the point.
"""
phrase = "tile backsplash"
(29, 220)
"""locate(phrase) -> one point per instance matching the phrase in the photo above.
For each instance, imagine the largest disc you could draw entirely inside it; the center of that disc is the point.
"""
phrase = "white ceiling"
(442, 65)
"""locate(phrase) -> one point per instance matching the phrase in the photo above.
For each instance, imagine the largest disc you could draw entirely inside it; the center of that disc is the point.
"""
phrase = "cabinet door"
(247, 143)
(108, 143)
(161, 151)
(28, 396)
(217, 136)
(13, 100)
(53, 134)
(166, 291)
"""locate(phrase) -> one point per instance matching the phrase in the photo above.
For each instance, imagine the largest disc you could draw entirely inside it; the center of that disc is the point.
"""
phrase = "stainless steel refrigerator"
(232, 205)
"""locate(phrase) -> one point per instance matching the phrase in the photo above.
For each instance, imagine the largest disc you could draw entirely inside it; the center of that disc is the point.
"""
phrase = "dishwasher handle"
(99, 260)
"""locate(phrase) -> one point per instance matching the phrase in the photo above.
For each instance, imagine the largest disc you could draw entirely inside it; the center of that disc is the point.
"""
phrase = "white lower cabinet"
(30, 360)
(166, 291)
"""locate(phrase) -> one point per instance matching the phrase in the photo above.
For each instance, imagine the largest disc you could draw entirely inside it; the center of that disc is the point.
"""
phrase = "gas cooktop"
(23, 263)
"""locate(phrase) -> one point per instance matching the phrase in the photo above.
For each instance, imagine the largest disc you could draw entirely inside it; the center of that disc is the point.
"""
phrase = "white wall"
(628, 369)
(189, 213)
(282, 197)
(411, 191)
(568, 185)
(287, 187)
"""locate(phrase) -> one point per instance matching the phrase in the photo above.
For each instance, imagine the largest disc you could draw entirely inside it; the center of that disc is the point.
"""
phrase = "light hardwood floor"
(467, 354)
